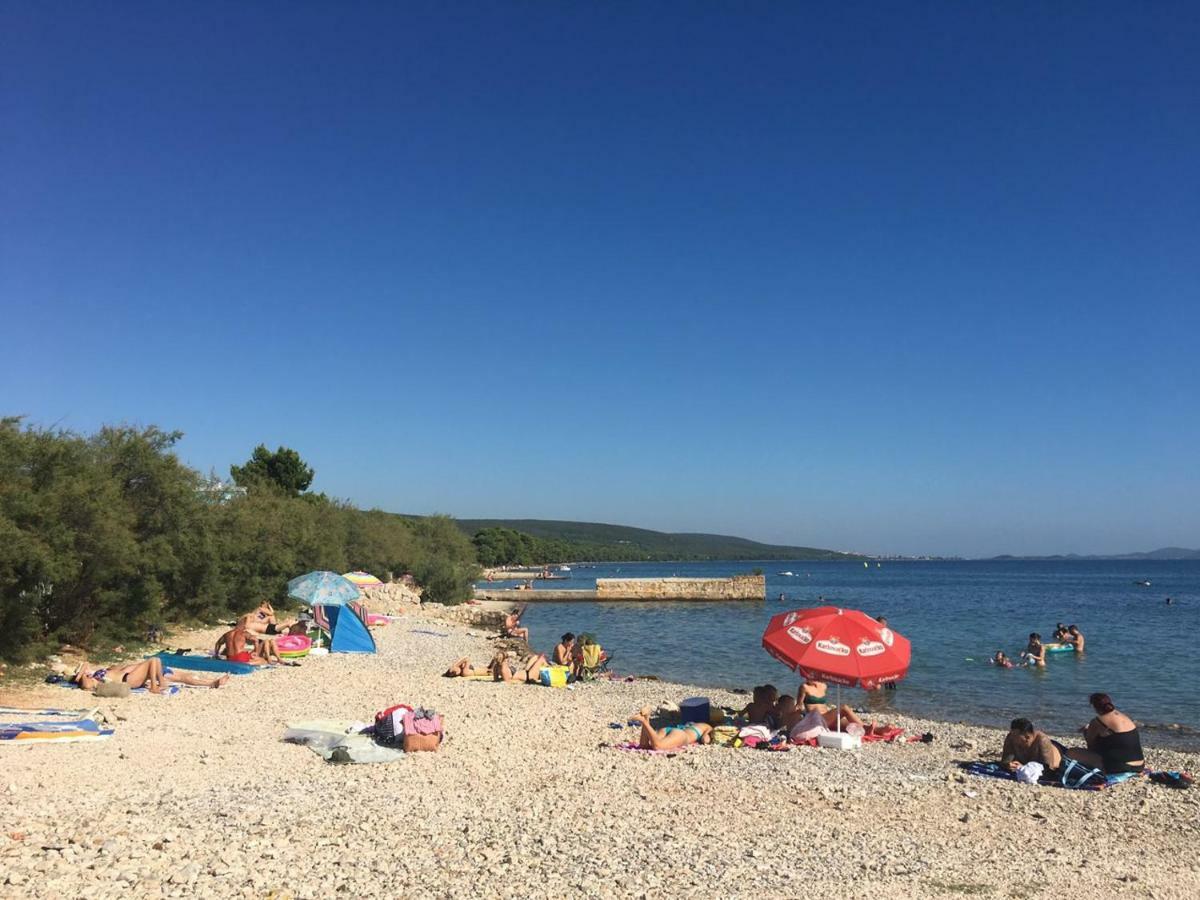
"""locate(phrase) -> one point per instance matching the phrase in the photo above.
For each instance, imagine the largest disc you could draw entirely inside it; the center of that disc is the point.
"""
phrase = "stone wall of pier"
(739, 587)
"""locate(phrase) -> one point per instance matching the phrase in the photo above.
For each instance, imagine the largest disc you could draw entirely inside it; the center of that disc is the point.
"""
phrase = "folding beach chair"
(593, 661)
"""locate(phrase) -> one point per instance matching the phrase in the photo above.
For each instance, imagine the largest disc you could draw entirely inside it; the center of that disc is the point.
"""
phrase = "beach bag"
(1076, 775)
(389, 725)
(554, 676)
(422, 731)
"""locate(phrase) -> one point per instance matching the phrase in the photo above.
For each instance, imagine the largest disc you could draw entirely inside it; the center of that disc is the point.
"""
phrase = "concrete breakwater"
(739, 587)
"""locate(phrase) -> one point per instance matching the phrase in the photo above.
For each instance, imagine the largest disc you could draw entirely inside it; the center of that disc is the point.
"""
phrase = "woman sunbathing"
(811, 698)
(238, 645)
(262, 621)
(530, 670)
(672, 737)
(148, 673)
(464, 669)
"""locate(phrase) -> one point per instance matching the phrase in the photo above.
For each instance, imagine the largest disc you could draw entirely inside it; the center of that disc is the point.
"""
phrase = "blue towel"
(995, 770)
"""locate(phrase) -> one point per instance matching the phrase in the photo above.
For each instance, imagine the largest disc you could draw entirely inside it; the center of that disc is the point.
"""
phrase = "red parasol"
(843, 646)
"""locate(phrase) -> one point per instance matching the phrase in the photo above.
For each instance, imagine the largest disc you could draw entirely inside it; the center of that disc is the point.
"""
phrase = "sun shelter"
(346, 626)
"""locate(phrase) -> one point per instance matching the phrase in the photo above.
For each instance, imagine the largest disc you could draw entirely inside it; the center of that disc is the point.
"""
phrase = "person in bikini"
(564, 650)
(148, 673)
(528, 673)
(262, 621)
(463, 669)
(810, 710)
(671, 737)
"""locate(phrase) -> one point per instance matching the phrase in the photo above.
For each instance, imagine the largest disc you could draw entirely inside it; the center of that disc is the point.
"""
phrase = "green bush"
(103, 536)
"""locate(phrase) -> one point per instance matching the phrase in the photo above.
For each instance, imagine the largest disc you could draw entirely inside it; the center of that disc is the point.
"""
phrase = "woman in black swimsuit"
(1114, 744)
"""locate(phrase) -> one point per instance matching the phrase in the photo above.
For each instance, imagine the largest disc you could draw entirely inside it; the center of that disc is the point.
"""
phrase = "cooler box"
(694, 709)
(839, 740)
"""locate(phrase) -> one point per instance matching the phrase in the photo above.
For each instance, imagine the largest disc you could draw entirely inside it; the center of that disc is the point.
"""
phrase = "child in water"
(1001, 660)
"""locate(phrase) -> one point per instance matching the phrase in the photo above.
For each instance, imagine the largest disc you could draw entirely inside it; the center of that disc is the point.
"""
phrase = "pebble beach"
(197, 795)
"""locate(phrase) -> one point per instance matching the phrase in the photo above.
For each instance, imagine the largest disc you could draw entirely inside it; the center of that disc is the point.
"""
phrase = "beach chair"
(593, 661)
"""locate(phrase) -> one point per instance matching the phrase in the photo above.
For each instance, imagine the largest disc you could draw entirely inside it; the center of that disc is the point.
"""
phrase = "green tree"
(283, 468)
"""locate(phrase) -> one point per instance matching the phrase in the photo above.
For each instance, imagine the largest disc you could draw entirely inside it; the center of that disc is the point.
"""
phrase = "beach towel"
(171, 688)
(632, 747)
(330, 741)
(995, 770)
(14, 733)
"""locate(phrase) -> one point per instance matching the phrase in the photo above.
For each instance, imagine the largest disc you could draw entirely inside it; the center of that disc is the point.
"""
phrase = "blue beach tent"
(347, 628)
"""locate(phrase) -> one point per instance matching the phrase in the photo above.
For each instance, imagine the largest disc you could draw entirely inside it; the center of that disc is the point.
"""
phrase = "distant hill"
(643, 543)
(1161, 553)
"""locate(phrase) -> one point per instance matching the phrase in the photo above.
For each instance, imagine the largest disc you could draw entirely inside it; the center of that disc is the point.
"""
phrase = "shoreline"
(526, 791)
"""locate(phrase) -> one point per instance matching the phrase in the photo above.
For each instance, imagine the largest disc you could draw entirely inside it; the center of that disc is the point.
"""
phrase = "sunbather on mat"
(463, 669)
(528, 672)
(148, 673)
(262, 621)
(238, 645)
(672, 737)
(811, 697)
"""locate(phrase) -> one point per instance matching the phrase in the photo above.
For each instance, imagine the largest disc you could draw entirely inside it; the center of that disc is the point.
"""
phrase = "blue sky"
(897, 278)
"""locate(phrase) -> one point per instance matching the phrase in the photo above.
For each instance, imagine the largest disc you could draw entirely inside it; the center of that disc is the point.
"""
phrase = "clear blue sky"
(892, 277)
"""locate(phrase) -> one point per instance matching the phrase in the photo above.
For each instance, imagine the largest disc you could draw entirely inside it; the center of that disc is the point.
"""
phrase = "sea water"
(956, 613)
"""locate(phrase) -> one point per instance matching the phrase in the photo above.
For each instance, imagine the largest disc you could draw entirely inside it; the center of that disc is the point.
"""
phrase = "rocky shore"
(196, 795)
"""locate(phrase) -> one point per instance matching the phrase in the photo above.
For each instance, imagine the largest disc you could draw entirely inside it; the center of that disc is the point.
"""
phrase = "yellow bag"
(554, 676)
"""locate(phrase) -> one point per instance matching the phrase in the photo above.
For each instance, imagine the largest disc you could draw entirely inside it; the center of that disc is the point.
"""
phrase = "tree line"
(105, 535)
(509, 547)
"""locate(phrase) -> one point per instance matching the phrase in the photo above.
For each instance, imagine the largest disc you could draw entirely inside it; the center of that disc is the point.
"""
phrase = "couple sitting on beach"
(1114, 746)
(804, 716)
(252, 639)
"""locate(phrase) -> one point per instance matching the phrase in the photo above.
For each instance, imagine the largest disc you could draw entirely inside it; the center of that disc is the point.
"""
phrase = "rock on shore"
(197, 796)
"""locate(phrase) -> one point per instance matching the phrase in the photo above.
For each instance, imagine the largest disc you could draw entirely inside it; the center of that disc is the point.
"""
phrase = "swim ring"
(1060, 648)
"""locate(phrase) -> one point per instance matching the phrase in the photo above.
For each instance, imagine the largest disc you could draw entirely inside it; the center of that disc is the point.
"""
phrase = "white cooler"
(839, 740)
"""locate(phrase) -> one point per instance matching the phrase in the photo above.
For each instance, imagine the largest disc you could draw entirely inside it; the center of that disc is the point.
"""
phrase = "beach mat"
(171, 690)
(205, 664)
(632, 747)
(995, 770)
(26, 733)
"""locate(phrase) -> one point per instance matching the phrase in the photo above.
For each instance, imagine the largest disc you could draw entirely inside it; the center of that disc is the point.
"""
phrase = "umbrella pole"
(839, 707)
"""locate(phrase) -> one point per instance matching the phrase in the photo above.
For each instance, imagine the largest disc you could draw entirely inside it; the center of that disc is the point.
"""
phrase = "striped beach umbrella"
(362, 579)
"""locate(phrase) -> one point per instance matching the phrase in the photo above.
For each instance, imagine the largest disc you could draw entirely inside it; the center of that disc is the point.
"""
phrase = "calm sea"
(956, 614)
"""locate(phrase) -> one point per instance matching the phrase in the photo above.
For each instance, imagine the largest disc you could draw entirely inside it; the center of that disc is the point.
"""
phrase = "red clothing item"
(240, 657)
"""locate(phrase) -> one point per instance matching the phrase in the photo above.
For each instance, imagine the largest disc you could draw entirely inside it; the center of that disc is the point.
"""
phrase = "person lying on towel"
(529, 672)
(262, 621)
(148, 673)
(672, 737)
(464, 669)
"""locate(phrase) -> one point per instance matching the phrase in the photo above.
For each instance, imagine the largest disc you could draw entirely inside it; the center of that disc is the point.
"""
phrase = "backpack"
(389, 725)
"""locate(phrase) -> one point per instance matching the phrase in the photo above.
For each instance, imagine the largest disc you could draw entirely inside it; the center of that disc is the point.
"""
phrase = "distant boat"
(865, 566)
(877, 565)
(1142, 583)
(789, 574)
(564, 568)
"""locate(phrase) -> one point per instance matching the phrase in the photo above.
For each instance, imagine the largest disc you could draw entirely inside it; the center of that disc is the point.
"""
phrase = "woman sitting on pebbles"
(530, 670)
(262, 621)
(810, 698)
(671, 737)
(148, 673)
(1114, 744)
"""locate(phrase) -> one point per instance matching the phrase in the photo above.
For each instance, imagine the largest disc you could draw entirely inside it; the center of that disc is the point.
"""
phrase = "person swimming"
(1001, 659)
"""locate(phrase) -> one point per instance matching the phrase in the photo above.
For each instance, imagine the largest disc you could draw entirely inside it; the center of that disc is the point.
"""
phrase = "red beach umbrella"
(843, 646)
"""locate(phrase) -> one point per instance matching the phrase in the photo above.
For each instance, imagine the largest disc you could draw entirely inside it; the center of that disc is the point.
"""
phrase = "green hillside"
(621, 543)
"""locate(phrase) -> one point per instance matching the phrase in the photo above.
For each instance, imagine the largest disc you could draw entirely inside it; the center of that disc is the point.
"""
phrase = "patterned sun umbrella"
(362, 579)
(323, 589)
